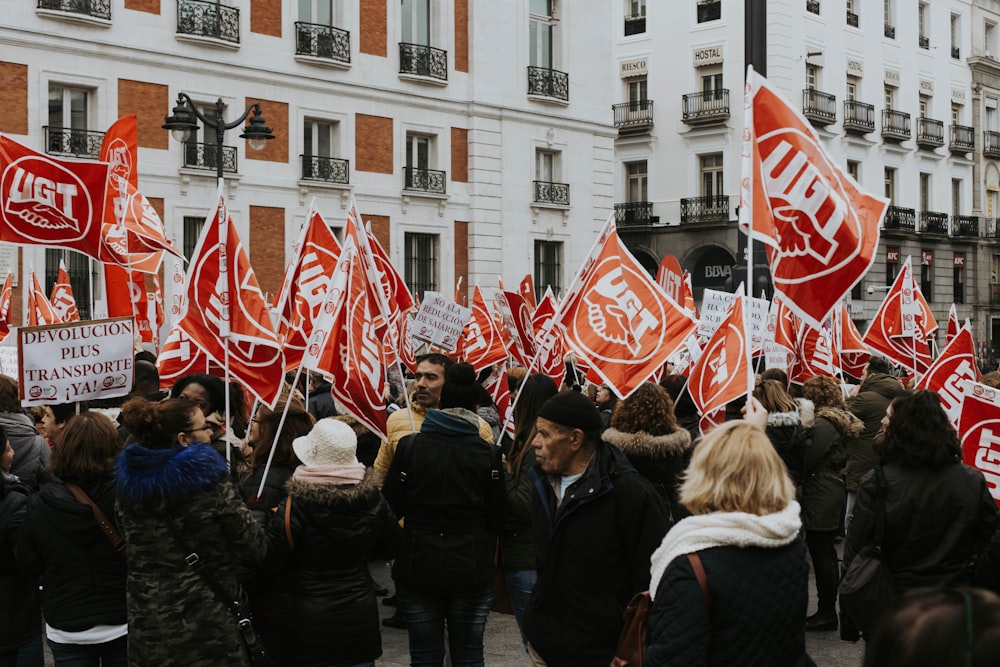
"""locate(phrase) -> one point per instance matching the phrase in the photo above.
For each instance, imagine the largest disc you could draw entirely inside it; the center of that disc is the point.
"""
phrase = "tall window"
(922, 25)
(635, 172)
(956, 196)
(415, 22)
(887, 14)
(990, 38)
(711, 83)
(635, 17)
(319, 12)
(78, 268)
(548, 263)
(956, 114)
(636, 93)
(958, 278)
(192, 230)
(711, 175)
(812, 77)
(927, 274)
(890, 97)
(923, 105)
(319, 138)
(418, 150)
(852, 87)
(545, 166)
(890, 184)
(956, 35)
(421, 262)
(68, 121)
(540, 33)
(854, 170)
(925, 191)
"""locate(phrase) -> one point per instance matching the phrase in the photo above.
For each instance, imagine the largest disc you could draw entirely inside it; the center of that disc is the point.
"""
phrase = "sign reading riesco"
(634, 67)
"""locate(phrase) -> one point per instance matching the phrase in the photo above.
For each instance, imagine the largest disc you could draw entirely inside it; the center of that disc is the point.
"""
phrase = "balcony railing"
(205, 156)
(69, 141)
(709, 10)
(635, 213)
(98, 9)
(713, 208)
(930, 132)
(859, 117)
(548, 82)
(924, 42)
(819, 107)
(963, 139)
(965, 225)
(890, 31)
(204, 18)
(633, 116)
(812, 6)
(551, 193)
(423, 60)
(706, 108)
(899, 218)
(322, 41)
(991, 230)
(423, 180)
(956, 53)
(933, 223)
(327, 169)
(991, 144)
(895, 125)
(635, 25)
(852, 19)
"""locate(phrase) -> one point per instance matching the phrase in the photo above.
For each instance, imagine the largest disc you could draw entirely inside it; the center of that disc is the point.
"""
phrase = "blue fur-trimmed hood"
(167, 477)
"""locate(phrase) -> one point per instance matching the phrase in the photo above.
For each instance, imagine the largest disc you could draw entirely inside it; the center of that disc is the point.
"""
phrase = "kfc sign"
(892, 255)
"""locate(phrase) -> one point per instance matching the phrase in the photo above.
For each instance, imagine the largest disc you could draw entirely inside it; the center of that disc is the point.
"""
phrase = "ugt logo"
(44, 201)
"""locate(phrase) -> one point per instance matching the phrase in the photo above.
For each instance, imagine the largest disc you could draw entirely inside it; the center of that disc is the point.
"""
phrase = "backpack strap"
(699, 573)
(288, 523)
(108, 528)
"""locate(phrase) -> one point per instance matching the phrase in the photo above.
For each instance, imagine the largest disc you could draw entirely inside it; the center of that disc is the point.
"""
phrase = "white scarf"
(720, 529)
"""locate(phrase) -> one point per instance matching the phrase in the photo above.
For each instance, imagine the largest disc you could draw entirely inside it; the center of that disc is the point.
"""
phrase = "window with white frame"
(321, 151)
(711, 175)
(69, 122)
(925, 191)
(812, 76)
(889, 180)
(546, 164)
(635, 17)
(854, 170)
(636, 92)
(956, 196)
(319, 12)
(923, 104)
(421, 261)
(415, 22)
(890, 97)
(956, 36)
(990, 114)
(540, 30)
(853, 83)
(637, 177)
(923, 26)
(956, 114)
(548, 266)
(990, 38)
(888, 16)
(192, 231)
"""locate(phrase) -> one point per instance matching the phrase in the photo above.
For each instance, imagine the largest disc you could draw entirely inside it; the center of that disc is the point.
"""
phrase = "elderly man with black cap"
(596, 523)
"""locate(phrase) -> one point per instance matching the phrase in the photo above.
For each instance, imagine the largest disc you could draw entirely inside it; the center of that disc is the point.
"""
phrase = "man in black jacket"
(596, 524)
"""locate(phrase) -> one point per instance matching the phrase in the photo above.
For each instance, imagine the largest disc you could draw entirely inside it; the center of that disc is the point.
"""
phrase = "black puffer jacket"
(319, 607)
(785, 431)
(82, 574)
(659, 458)
(20, 611)
(593, 556)
(274, 487)
(759, 599)
(31, 452)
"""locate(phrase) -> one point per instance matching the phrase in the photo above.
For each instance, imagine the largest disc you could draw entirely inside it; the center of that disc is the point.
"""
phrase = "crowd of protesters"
(140, 531)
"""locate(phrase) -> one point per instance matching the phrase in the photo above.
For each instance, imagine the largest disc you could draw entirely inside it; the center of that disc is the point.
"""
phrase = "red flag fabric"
(5, 295)
(781, 339)
(953, 325)
(139, 240)
(504, 320)
(721, 373)
(407, 355)
(853, 353)
(670, 277)
(304, 287)
(40, 311)
(521, 313)
(62, 300)
(51, 202)
(178, 357)
(820, 229)
(549, 340)
(949, 373)
(979, 431)
(527, 291)
(398, 301)
(480, 343)
(499, 390)
(817, 353)
(903, 310)
(128, 298)
(617, 318)
(156, 299)
(225, 309)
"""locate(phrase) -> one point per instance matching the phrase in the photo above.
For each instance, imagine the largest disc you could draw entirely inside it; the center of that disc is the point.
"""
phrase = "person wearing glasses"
(175, 499)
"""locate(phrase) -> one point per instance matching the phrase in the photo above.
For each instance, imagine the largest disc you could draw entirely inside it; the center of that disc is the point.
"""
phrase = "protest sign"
(440, 321)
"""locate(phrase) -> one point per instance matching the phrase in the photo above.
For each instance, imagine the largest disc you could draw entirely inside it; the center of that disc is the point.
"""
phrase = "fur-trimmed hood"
(332, 495)
(644, 444)
(807, 411)
(784, 419)
(843, 421)
(165, 478)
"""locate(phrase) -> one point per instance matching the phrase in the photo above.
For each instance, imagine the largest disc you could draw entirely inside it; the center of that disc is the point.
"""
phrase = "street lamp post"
(182, 123)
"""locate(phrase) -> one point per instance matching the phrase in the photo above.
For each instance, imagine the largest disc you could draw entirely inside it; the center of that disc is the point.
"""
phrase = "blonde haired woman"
(744, 529)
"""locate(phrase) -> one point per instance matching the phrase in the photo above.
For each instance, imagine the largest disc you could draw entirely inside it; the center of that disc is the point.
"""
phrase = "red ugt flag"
(480, 343)
(954, 367)
(900, 328)
(979, 431)
(549, 340)
(820, 229)
(40, 311)
(5, 294)
(63, 302)
(721, 373)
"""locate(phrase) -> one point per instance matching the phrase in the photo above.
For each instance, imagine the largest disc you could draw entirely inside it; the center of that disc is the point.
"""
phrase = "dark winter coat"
(874, 396)
(274, 487)
(321, 401)
(83, 576)
(31, 452)
(661, 459)
(173, 616)
(319, 606)
(785, 431)
(448, 484)
(517, 543)
(20, 610)
(988, 565)
(755, 618)
(937, 522)
(823, 490)
(593, 555)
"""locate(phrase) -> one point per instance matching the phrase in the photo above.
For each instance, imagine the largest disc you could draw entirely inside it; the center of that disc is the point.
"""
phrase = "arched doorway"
(711, 270)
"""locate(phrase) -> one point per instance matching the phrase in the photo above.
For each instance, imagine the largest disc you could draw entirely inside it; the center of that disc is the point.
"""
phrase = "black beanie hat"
(572, 409)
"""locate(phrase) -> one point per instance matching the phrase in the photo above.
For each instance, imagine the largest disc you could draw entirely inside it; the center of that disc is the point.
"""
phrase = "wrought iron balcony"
(706, 108)
(992, 229)
(924, 42)
(547, 82)
(963, 139)
(852, 19)
(635, 213)
(423, 60)
(933, 223)
(899, 218)
(709, 10)
(328, 169)
(204, 18)
(551, 193)
(956, 53)
(713, 208)
(205, 156)
(812, 6)
(965, 225)
(73, 142)
(859, 117)
(635, 25)
(890, 31)
(634, 116)
(322, 41)
(424, 180)
(930, 132)
(895, 125)
(821, 108)
(991, 144)
(98, 9)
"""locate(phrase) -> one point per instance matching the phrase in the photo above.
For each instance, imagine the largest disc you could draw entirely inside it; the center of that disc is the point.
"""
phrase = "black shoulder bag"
(867, 589)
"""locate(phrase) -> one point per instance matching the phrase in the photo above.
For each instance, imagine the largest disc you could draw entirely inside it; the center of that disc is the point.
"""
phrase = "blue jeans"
(26, 655)
(465, 617)
(109, 654)
(519, 586)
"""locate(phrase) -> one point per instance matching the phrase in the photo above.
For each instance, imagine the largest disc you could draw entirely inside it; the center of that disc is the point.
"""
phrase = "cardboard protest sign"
(440, 321)
(715, 307)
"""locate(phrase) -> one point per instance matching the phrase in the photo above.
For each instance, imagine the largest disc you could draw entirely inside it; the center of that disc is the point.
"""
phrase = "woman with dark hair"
(784, 426)
(209, 393)
(175, 498)
(263, 429)
(605, 400)
(685, 411)
(939, 514)
(82, 571)
(31, 452)
(517, 542)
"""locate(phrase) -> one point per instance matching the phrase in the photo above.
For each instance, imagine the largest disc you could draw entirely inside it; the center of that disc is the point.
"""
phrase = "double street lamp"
(183, 123)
